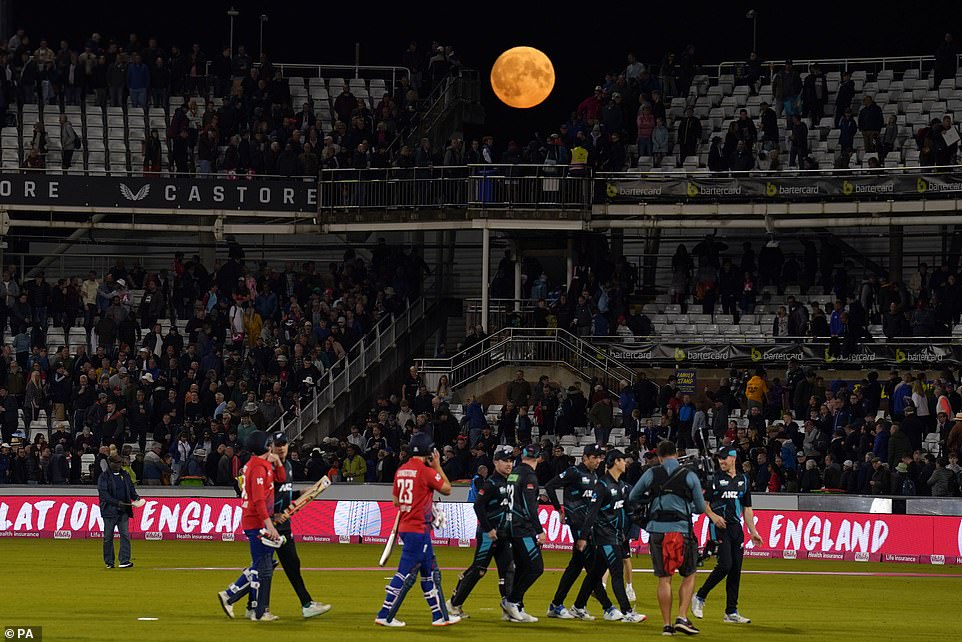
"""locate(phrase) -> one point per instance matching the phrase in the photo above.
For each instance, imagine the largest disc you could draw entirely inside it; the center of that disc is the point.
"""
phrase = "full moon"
(522, 77)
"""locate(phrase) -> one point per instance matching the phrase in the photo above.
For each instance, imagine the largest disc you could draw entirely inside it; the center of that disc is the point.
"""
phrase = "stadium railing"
(491, 187)
(338, 379)
(874, 65)
(502, 313)
(526, 346)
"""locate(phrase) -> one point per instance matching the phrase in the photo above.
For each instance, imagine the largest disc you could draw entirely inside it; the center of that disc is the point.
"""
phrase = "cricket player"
(527, 534)
(284, 495)
(605, 525)
(493, 509)
(729, 497)
(414, 485)
(257, 505)
(577, 484)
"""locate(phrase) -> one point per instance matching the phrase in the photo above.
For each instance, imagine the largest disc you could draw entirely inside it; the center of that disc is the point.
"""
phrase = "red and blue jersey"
(414, 486)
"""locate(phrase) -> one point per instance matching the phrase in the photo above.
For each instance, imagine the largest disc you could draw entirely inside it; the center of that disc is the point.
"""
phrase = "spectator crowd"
(245, 344)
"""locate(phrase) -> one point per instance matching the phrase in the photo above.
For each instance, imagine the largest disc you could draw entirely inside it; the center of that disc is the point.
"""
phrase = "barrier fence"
(787, 534)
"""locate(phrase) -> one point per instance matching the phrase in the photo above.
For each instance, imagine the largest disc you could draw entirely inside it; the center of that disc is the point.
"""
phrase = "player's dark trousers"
(606, 557)
(729, 566)
(528, 566)
(580, 560)
(287, 554)
(500, 550)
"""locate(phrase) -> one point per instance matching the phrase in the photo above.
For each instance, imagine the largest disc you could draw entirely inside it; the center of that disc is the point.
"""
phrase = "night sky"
(581, 46)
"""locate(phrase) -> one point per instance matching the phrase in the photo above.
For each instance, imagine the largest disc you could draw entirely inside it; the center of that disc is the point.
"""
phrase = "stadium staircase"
(452, 104)
(384, 351)
(523, 347)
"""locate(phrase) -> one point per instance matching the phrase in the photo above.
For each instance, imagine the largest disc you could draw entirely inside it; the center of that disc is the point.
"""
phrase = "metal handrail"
(347, 370)
(57, 171)
(526, 346)
(836, 62)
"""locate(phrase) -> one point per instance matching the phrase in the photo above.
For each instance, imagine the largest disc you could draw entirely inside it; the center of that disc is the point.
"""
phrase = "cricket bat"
(389, 546)
(304, 499)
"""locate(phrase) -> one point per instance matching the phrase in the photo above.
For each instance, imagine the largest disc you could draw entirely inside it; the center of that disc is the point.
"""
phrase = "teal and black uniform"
(284, 494)
(525, 527)
(492, 506)
(608, 523)
(577, 485)
(728, 496)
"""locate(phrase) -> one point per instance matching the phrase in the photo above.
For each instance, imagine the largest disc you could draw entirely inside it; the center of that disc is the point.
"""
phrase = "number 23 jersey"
(414, 486)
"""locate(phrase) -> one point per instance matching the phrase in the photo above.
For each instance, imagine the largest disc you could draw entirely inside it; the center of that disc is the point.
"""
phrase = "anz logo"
(286, 487)
(730, 494)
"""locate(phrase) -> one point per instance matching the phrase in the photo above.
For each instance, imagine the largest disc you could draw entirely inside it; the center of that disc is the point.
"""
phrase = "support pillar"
(208, 250)
(896, 243)
(616, 244)
(517, 281)
(485, 275)
(570, 262)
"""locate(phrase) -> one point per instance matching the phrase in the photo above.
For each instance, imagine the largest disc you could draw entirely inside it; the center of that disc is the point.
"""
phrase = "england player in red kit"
(257, 507)
(414, 486)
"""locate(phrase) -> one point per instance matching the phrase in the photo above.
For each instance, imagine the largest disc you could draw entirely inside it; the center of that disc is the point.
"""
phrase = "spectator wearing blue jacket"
(138, 81)
(836, 324)
(881, 447)
(474, 415)
(901, 397)
(789, 450)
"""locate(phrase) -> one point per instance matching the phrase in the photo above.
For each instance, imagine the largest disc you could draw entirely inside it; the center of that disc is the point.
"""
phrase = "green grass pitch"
(63, 587)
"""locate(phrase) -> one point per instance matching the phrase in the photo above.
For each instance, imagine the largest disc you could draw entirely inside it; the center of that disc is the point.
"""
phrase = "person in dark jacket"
(117, 499)
(843, 99)
(741, 160)
(870, 122)
(815, 95)
(58, 472)
(716, 162)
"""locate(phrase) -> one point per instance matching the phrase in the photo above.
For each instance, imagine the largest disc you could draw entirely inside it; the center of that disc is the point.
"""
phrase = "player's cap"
(726, 451)
(421, 445)
(279, 438)
(504, 453)
(594, 450)
(531, 451)
(258, 442)
(613, 454)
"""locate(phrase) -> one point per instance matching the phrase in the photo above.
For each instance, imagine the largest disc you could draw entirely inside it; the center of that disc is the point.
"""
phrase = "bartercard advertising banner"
(779, 354)
(785, 534)
(860, 185)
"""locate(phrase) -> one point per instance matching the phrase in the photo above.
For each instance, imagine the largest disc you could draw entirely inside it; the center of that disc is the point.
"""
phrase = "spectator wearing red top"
(590, 108)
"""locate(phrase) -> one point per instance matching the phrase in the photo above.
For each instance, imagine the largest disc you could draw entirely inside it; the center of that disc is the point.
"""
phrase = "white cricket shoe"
(223, 598)
(527, 617)
(451, 619)
(456, 610)
(613, 614)
(582, 614)
(634, 616)
(511, 610)
(267, 617)
(697, 607)
(383, 621)
(315, 608)
(735, 618)
(560, 612)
